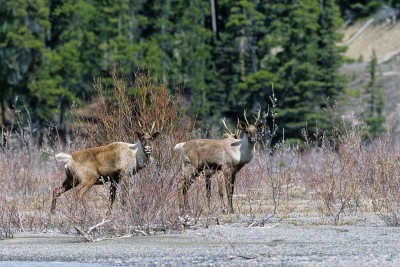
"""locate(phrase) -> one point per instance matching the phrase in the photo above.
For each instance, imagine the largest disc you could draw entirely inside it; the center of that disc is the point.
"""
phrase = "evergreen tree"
(157, 39)
(306, 63)
(25, 26)
(373, 114)
(74, 44)
(298, 71)
(255, 90)
(193, 56)
(240, 27)
(73, 59)
(246, 23)
(9, 77)
(51, 50)
(120, 34)
(329, 60)
(225, 54)
(358, 8)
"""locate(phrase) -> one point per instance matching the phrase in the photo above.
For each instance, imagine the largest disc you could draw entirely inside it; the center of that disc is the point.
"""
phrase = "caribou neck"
(247, 150)
(142, 158)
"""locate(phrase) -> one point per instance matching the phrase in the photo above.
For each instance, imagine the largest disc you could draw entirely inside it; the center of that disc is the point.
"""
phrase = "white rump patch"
(63, 157)
(179, 146)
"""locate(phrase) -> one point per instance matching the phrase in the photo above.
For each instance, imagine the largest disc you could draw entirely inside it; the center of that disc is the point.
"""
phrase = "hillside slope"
(384, 37)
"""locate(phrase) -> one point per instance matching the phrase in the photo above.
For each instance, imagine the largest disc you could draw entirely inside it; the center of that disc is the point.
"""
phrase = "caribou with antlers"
(228, 133)
(113, 163)
(206, 156)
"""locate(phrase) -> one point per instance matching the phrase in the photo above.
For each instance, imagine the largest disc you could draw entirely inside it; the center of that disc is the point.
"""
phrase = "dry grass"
(342, 175)
(358, 178)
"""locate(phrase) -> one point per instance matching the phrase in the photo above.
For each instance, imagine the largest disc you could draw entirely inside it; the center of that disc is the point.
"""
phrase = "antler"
(258, 116)
(245, 117)
(226, 127)
(145, 128)
(237, 131)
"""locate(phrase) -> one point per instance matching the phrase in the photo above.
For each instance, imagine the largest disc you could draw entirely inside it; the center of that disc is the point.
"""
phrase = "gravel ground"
(229, 245)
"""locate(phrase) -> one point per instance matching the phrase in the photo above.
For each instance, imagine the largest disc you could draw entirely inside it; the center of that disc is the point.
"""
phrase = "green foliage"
(307, 63)
(25, 28)
(359, 8)
(52, 50)
(192, 54)
(375, 103)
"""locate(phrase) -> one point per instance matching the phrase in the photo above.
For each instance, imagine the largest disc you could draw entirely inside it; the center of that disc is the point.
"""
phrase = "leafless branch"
(97, 225)
(87, 237)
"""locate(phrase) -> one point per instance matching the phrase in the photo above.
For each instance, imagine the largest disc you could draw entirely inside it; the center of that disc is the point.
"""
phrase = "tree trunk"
(214, 19)
(3, 112)
(242, 58)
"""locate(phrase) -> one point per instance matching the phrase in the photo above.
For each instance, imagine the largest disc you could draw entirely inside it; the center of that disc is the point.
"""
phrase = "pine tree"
(375, 100)
(193, 56)
(240, 27)
(255, 90)
(358, 8)
(74, 44)
(329, 60)
(246, 23)
(157, 38)
(120, 34)
(26, 27)
(307, 61)
(9, 77)
(298, 70)
(225, 57)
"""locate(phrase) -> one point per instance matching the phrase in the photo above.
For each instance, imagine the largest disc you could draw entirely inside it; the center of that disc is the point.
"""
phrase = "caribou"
(114, 163)
(207, 156)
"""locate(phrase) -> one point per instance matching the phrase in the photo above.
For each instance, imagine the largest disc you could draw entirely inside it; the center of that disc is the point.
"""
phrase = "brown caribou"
(113, 163)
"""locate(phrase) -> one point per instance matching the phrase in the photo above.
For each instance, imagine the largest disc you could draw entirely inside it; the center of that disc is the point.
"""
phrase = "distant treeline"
(228, 55)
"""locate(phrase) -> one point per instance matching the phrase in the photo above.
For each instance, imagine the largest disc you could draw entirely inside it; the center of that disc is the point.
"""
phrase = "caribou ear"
(138, 134)
(242, 126)
(155, 135)
(260, 125)
(226, 135)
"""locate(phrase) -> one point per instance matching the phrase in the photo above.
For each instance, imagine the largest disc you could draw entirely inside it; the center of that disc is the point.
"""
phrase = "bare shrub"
(339, 172)
(336, 179)
(7, 220)
(153, 202)
(348, 173)
(114, 116)
(117, 112)
(264, 186)
(382, 180)
(24, 189)
(269, 162)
